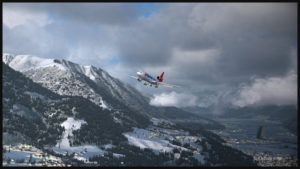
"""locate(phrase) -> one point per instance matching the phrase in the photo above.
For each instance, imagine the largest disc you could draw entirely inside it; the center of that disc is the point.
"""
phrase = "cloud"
(174, 99)
(269, 91)
(207, 48)
(29, 39)
(244, 39)
(14, 15)
(96, 13)
(83, 13)
(205, 57)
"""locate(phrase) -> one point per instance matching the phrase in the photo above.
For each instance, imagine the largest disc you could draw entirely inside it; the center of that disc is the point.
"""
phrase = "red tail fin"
(161, 77)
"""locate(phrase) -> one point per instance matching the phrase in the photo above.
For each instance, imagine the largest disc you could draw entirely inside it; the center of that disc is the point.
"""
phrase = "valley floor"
(156, 139)
(278, 147)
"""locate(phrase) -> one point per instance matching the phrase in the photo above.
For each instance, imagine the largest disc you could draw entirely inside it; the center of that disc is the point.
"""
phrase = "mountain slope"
(35, 113)
(68, 78)
(50, 72)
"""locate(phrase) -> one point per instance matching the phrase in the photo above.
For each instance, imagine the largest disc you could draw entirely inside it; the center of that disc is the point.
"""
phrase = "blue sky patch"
(114, 61)
(146, 9)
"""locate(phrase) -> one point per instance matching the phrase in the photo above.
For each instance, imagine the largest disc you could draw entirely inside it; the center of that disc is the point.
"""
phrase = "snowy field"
(82, 152)
(63, 146)
(70, 124)
(142, 138)
(158, 140)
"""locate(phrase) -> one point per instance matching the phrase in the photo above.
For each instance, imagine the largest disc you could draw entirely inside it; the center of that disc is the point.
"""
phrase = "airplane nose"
(139, 73)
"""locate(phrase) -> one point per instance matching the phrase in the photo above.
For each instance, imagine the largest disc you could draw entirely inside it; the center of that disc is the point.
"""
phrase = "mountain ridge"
(68, 78)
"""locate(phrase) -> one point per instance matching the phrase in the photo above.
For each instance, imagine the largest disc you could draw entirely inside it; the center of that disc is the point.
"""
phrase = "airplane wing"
(133, 77)
(168, 85)
(160, 83)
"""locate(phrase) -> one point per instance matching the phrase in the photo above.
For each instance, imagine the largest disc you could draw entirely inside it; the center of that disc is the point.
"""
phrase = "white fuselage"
(147, 78)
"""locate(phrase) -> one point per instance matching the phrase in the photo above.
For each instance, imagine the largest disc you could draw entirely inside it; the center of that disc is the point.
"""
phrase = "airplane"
(148, 79)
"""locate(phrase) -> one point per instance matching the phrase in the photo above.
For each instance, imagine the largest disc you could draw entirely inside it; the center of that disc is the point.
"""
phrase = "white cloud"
(204, 57)
(174, 99)
(31, 39)
(96, 56)
(13, 17)
(272, 91)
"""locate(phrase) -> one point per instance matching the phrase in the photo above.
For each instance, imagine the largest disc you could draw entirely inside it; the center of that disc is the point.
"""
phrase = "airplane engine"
(139, 80)
(145, 84)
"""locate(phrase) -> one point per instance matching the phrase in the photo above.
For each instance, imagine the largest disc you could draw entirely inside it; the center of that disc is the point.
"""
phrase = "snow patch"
(118, 155)
(87, 70)
(103, 105)
(143, 139)
(70, 124)
(52, 114)
(27, 62)
(83, 152)
(117, 120)
(7, 58)
(108, 146)
(36, 95)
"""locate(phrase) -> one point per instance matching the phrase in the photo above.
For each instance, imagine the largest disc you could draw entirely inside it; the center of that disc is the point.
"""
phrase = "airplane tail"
(160, 78)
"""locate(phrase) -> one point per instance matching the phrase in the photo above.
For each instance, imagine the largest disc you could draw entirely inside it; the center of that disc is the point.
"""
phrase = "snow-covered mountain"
(52, 108)
(35, 114)
(68, 78)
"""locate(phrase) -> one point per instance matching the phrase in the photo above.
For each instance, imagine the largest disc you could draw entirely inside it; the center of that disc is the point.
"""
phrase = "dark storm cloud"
(83, 13)
(150, 41)
(96, 13)
(265, 57)
(205, 47)
(140, 47)
(253, 39)
(257, 41)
